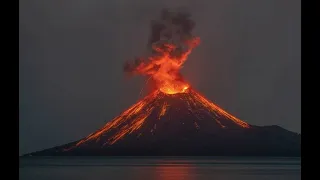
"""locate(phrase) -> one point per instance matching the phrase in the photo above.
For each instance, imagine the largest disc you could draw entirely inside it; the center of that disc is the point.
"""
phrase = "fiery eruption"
(170, 44)
(175, 119)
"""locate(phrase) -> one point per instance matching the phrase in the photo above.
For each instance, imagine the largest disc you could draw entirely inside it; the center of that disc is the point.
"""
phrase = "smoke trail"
(169, 45)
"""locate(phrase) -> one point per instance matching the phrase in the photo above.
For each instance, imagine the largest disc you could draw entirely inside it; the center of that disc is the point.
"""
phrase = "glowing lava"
(170, 44)
(164, 67)
(174, 90)
(157, 102)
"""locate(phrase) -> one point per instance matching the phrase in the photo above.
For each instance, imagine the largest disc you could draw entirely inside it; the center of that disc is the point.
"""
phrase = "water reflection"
(174, 171)
(175, 168)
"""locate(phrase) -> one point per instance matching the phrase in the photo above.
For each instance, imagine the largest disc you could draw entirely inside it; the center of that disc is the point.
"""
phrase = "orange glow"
(129, 128)
(120, 124)
(163, 110)
(171, 171)
(164, 67)
(174, 89)
(215, 109)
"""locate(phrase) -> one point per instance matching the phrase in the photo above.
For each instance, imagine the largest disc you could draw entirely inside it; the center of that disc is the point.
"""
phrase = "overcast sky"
(72, 53)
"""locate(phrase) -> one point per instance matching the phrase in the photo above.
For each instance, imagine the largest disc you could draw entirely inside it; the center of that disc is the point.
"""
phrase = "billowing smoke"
(172, 27)
(169, 45)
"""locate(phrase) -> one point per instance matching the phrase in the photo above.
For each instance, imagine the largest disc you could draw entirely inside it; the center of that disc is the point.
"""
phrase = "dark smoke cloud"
(173, 27)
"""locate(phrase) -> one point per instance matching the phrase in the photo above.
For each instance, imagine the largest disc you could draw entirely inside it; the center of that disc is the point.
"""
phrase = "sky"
(71, 55)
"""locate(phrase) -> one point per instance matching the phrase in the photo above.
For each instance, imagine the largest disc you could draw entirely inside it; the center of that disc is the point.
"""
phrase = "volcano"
(175, 119)
(180, 124)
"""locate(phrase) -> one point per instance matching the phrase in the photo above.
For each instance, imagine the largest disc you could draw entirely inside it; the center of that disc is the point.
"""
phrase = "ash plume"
(172, 33)
(169, 45)
(172, 27)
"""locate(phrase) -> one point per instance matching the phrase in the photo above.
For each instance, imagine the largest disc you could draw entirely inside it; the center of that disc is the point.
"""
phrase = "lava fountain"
(170, 43)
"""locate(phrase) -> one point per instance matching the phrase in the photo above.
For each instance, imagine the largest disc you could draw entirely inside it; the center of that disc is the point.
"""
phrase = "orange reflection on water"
(168, 171)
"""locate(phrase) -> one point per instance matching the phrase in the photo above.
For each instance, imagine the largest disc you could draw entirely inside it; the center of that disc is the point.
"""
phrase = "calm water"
(169, 168)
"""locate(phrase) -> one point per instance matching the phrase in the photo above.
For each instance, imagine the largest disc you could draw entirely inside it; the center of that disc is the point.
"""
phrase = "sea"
(159, 168)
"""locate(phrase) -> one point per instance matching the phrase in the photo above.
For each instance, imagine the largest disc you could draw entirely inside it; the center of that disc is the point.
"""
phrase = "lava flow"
(159, 106)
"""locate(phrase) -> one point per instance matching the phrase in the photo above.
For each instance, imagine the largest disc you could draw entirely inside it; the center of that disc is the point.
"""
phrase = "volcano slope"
(182, 124)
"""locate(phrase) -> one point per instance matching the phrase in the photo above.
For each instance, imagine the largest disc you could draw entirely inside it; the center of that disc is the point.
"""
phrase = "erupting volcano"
(175, 119)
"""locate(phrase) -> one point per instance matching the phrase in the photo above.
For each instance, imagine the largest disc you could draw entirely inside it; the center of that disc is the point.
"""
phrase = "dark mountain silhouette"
(183, 124)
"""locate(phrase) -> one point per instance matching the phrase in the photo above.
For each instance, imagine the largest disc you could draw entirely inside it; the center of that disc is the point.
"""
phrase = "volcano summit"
(175, 119)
